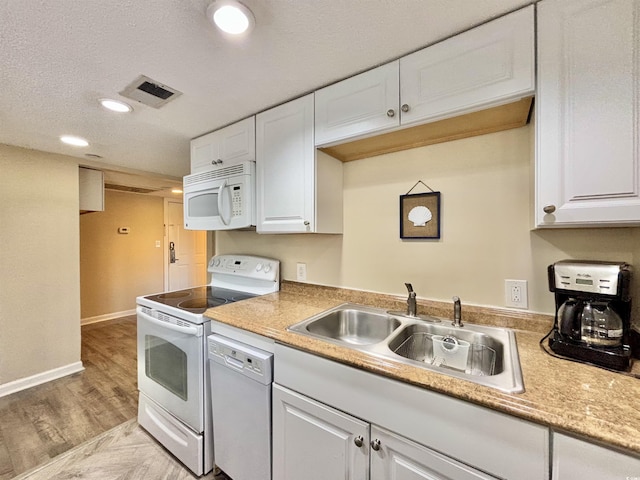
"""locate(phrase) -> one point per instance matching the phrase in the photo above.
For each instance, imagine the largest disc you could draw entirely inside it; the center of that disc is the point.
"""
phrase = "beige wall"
(39, 255)
(486, 184)
(115, 268)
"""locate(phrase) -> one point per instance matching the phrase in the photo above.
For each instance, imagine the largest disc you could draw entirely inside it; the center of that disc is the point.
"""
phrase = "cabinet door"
(285, 168)
(91, 193)
(227, 146)
(314, 442)
(486, 66)
(395, 457)
(361, 105)
(587, 169)
(574, 458)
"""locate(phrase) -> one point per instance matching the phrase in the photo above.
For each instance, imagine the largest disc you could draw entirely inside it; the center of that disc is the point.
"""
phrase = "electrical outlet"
(515, 293)
(301, 272)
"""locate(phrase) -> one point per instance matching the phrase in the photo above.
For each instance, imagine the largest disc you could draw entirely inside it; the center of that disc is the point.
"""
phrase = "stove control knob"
(258, 267)
(267, 268)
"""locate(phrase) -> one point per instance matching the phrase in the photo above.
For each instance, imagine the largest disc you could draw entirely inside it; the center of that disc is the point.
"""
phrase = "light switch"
(123, 230)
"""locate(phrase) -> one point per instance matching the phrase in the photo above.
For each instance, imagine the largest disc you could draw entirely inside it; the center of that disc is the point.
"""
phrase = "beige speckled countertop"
(566, 396)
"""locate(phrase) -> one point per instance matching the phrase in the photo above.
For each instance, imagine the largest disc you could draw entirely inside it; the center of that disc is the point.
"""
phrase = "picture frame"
(420, 216)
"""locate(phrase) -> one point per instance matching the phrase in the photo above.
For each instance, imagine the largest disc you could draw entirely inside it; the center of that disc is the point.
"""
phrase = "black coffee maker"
(593, 312)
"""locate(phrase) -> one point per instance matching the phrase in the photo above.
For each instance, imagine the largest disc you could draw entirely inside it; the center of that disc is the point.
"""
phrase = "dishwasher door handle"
(233, 362)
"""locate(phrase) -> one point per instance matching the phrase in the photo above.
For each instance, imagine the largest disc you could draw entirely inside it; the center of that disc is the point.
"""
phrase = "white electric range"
(173, 371)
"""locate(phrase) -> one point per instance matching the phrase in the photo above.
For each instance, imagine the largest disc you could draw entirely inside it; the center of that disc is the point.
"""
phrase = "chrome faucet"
(457, 313)
(411, 301)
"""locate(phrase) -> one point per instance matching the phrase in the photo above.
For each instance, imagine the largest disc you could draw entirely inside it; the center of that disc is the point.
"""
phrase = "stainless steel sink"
(484, 355)
(345, 324)
(462, 349)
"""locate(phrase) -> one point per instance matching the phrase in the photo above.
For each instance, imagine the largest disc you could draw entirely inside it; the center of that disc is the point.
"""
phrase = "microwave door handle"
(223, 187)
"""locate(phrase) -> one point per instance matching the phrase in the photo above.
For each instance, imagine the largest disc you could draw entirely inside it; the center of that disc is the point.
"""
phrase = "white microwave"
(222, 198)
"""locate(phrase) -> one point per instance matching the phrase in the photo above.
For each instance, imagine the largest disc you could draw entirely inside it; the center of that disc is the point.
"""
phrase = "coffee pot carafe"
(570, 318)
(591, 322)
(601, 326)
(593, 310)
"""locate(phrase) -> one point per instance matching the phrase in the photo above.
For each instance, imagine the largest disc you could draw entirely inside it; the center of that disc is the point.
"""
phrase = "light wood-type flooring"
(84, 425)
(125, 452)
(42, 422)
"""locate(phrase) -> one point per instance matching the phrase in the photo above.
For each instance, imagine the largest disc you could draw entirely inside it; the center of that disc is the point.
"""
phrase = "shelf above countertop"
(503, 117)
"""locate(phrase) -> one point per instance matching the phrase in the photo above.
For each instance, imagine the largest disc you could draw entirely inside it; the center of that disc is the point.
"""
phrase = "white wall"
(39, 255)
(486, 184)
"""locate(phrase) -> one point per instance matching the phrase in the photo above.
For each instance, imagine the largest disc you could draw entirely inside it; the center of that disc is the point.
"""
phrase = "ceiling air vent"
(148, 91)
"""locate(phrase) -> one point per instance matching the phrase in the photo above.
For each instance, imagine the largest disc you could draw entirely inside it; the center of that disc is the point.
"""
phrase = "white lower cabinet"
(395, 457)
(577, 459)
(314, 442)
(317, 442)
(346, 423)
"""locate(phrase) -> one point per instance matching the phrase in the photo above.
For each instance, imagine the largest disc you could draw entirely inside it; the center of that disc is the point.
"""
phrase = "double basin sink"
(484, 355)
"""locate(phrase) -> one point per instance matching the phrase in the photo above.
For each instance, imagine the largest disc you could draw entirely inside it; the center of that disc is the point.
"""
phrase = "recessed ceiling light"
(115, 105)
(73, 140)
(231, 17)
(176, 190)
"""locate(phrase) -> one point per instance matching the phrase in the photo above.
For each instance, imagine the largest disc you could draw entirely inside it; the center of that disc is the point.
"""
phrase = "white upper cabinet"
(366, 103)
(486, 66)
(91, 193)
(297, 190)
(587, 155)
(227, 146)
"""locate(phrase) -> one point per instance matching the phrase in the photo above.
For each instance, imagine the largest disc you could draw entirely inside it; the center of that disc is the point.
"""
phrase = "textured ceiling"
(59, 57)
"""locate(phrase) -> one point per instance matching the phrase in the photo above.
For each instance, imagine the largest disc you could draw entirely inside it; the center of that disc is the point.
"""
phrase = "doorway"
(186, 251)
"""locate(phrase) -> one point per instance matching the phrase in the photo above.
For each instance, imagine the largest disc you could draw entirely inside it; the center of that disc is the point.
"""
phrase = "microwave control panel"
(236, 201)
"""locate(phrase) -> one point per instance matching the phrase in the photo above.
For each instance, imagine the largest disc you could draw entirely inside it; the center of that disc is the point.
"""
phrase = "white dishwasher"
(241, 377)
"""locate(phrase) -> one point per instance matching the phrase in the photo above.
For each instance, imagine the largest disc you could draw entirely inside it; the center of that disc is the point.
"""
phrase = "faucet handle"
(457, 312)
(409, 287)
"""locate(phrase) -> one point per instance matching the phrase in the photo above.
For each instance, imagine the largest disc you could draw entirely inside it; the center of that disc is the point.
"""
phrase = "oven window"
(166, 364)
(203, 205)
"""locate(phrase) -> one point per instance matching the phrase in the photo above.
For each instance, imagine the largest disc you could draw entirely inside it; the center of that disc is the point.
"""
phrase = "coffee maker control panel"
(601, 278)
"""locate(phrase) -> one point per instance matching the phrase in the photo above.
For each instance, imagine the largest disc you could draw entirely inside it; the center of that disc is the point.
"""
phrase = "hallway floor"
(42, 422)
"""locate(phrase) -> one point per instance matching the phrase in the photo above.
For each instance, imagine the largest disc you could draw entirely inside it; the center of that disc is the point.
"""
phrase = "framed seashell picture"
(420, 215)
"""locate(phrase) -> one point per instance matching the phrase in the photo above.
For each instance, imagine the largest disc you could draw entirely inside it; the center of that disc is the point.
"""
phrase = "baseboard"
(106, 316)
(40, 378)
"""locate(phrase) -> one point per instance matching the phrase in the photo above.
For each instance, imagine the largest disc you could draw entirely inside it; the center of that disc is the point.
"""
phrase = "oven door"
(171, 366)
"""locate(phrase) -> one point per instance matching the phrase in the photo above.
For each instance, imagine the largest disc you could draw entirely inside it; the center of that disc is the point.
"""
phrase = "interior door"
(186, 251)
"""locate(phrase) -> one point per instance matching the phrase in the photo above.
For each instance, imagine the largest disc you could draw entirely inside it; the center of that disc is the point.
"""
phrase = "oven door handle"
(195, 331)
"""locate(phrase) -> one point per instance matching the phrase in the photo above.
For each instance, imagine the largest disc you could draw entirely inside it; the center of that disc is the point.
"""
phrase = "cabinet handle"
(405, 108)
(216, 162)
(359, 441)
(391, 113)
(306, 223)
(549, 208)
(375, 444)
